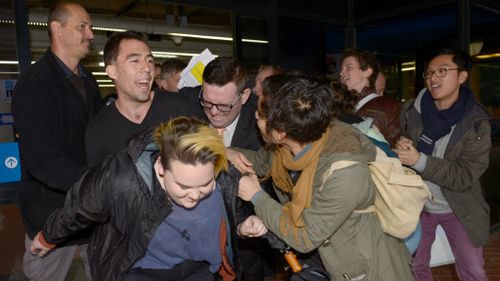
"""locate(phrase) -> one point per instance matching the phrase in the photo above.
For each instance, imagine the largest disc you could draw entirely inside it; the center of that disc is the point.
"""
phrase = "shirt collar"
(303, 151)
(232, 127)
(66, 69)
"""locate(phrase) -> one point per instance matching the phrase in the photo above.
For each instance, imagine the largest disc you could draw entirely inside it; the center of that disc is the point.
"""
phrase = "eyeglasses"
(440, 72)
(220, 107)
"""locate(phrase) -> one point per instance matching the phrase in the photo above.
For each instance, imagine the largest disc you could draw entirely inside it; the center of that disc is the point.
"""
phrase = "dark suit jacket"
(246, 134)
(50, 117)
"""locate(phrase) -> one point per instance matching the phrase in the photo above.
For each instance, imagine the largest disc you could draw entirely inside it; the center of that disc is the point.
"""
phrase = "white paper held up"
(192, 75)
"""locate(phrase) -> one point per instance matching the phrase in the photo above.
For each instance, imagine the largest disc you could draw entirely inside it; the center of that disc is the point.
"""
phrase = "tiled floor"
(11, 248)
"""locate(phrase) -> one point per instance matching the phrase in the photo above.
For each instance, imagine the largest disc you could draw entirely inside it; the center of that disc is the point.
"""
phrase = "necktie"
(221, 131)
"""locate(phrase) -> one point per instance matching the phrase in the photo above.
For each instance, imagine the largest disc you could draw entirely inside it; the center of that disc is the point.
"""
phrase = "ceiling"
(151, 17)
(157, 18)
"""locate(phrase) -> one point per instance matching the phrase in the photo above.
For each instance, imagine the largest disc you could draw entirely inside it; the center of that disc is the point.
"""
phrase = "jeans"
(185, 271)
(55, 264)
(469, 262)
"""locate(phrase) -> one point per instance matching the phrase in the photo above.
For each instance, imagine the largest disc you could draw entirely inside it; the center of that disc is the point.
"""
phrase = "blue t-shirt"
(187, 234)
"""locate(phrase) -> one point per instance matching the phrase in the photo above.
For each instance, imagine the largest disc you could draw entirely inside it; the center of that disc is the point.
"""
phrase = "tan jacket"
(350, 245)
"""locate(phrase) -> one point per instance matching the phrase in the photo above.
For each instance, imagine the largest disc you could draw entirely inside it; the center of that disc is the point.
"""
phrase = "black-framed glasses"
(220, 107)
(440, 72)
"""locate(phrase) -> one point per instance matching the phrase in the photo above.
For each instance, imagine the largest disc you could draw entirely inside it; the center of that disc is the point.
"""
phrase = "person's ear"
(282, 135)
(159, 170)
(246, 95)
(462, 77)
(278, 135)
(111, 71)
(55, 28)
(367, 73)
(163, 84)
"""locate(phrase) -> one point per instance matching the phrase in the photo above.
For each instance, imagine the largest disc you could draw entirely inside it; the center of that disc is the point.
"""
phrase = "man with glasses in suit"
(230, 108)
(228, 103)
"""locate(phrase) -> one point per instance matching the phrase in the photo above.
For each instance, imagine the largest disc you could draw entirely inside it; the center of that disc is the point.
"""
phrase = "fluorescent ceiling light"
(172, 54)
(99, 28)
(106, 85)
(9, 73)
(488, 56)
(408, 63)
(99, 73)
(112, 29)
(157, 55)
(11, 62)
(32, 23)
(37, 23)
(255, 41)
(160, 54)
(223, 38)
(96, 28)
(408, 69)
(104, 81)
(8, 62)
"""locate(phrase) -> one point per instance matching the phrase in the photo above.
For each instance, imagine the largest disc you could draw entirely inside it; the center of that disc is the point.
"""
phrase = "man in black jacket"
(52, 104)
(161, 209)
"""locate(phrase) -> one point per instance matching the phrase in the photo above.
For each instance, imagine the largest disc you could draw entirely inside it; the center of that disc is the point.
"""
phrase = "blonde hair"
(190, 141)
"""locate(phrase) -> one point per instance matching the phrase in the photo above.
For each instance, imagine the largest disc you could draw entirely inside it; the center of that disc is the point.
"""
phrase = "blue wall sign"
(10, 165)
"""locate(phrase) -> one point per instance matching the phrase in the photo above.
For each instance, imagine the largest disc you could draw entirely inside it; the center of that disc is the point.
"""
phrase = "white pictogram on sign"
(11, 162)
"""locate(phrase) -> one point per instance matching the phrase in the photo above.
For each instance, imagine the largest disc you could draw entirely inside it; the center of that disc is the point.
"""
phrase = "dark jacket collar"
(66, 69)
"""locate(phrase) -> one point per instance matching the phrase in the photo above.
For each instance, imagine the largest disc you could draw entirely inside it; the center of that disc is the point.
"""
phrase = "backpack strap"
(341, 165)
(370, 209)
(335, 166)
